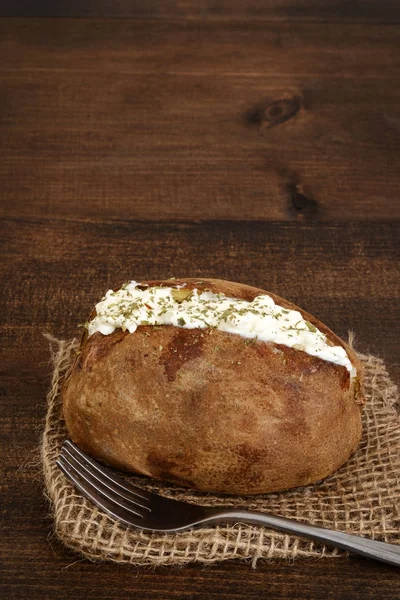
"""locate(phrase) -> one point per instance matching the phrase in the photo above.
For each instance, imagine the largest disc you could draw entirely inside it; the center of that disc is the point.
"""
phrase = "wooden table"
(251, 142)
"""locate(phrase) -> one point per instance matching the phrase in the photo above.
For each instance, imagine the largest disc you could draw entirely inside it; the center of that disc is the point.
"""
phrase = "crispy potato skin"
(211, 410)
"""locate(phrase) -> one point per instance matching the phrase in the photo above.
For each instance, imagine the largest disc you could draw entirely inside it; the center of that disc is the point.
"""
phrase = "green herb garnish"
(311, 327)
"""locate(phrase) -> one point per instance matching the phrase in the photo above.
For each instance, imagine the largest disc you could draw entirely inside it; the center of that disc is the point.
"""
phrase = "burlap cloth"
(362, 498)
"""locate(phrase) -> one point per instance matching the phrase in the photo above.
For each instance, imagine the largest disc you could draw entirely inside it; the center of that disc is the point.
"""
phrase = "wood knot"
(270, 114)
(303, 207)
(280, 111)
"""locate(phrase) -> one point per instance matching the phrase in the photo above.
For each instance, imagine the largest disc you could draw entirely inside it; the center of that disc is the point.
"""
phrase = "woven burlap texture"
(362, 497)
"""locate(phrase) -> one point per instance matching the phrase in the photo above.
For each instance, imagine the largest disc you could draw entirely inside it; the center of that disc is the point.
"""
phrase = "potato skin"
(211, 410)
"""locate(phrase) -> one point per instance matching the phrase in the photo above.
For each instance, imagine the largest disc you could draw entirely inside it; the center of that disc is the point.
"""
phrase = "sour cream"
(261, 319)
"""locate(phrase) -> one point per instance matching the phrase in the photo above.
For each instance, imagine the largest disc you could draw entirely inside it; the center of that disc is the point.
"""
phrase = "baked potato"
(211, 409)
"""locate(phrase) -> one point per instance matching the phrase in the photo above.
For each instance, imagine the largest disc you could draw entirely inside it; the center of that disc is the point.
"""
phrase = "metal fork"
(145, 510)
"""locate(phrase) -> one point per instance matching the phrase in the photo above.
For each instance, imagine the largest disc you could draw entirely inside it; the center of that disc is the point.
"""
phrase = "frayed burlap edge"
(361, 498)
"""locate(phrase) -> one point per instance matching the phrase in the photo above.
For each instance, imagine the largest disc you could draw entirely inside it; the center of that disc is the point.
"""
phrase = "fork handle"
(387, 553)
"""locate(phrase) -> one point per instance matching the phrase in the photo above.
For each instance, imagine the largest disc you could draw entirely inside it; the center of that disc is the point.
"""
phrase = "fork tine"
(97, 486)
(109, 483)
(105, 472)
(91, 493)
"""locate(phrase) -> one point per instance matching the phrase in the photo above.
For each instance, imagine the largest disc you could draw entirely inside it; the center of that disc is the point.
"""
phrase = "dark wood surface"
(198, 120)
(384, 11)
(261, 146)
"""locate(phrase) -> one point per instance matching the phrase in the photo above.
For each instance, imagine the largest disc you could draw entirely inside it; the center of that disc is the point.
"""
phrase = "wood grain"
(276, 10)
(118, 119)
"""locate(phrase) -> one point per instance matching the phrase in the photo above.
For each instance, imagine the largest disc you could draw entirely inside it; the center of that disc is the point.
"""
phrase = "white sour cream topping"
(262, 319)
